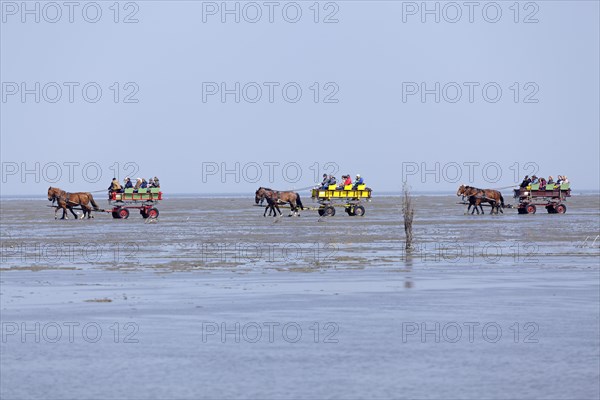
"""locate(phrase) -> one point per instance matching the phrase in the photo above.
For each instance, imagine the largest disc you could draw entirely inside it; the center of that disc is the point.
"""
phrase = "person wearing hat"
(358, 181)
(156, 183)
(324, 182)
(138, 183)
(114, 186)
(128, 184)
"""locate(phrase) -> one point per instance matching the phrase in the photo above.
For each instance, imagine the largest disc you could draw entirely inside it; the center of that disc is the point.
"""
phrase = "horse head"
(51, 193)
(259, 194)
(461, 190)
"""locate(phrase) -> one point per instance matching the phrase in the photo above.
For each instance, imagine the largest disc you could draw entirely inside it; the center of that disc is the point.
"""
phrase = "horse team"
(66, 201)
(477, 196)
(276, 198)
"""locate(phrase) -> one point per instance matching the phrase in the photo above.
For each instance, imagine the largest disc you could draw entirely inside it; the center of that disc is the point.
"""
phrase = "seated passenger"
(534, 180)
(138, 184)
(329, 180)
(156, 182)
(526, 181)
(565, 179)
(332, 180)
(324, 181)
(542, 184)
(347, 181)
(559, 180)
(550, 180)
(128, 184)
(114, 186)
(144, 184)
(358, 181)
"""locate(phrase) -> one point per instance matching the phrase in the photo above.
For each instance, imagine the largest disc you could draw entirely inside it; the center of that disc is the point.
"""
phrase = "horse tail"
(299, 201)
(501, 200)
(96, 208)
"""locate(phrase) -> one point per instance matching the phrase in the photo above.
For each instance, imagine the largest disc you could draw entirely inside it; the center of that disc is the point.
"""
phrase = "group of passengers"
(329, 180)
(141, 183)
(527, 181)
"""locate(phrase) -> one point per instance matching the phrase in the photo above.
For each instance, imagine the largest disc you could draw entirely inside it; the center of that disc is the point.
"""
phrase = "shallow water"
(485, 307)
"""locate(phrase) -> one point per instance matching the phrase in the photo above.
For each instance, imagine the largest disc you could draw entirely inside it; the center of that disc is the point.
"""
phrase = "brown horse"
(477, 196)
(69, 200)
(462, 191)
(275, 197)
(272, 204)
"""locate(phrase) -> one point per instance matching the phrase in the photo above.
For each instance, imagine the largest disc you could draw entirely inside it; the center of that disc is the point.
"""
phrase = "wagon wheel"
(530, 209)
(561, 209)
(153, 213)
(359, 211)
(123, 213)
(329, 211)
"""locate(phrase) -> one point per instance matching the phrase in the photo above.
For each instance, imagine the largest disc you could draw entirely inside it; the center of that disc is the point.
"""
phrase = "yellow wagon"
(349, 197)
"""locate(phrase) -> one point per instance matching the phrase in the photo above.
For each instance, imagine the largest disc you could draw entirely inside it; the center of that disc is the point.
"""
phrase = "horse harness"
(65, 199)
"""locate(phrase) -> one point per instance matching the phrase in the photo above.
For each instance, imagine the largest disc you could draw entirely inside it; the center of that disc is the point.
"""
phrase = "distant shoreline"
(32, 197)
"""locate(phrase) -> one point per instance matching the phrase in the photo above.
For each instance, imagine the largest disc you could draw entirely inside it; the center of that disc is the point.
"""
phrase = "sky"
(216, 97)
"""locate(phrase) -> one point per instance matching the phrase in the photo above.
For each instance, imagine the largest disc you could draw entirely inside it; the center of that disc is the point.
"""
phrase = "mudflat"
(213, 300)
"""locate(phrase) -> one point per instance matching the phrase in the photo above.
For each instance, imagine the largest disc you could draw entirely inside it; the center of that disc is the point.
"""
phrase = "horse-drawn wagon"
(349, 197)
(144, 200)
(551, 196)
(328, 198)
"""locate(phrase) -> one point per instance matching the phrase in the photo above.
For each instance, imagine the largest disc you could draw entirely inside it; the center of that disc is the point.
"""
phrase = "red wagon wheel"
(123, 213)
(152, 213)
(561, 209)
(530, 209)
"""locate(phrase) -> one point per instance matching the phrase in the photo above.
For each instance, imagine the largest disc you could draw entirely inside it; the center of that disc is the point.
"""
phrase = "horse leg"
(277, 207)
(73, 212)
(64, 216)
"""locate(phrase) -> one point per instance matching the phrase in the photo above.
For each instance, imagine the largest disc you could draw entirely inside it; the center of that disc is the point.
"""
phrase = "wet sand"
(215, 301)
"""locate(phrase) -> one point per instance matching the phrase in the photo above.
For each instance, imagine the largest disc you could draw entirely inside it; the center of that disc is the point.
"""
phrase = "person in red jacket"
(348, 180)
(345, 181)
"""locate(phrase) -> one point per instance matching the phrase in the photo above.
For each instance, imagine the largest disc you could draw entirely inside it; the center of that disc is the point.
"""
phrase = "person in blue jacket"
(358, 181)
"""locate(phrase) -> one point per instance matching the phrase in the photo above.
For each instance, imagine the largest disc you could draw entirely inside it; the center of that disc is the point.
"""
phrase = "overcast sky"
(491, 92)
